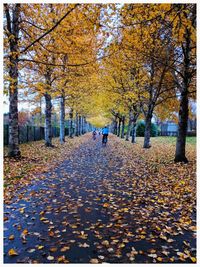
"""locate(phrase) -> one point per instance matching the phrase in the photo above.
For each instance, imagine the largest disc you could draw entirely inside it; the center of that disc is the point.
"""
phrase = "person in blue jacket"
(105, 132)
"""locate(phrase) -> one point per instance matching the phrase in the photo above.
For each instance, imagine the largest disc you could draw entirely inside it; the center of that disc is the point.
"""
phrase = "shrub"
(154, 130)
(141, 128)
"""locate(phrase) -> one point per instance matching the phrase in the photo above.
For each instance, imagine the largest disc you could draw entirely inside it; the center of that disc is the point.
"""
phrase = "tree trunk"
(87, 127)
(48, 128)
(71, 124)
(123, 125)
(119, 127)
(13, 29)
(77, 124)
(62, 118)
(80, 125)
(115, 125)
(182, 130)
(40, 112)
(147, 132)
(13, 122)
(183, 111)
(83, 124)
(129, 126)
(133, 140)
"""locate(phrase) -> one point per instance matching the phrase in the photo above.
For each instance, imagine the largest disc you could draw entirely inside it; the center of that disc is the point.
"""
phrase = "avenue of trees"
(105, 63)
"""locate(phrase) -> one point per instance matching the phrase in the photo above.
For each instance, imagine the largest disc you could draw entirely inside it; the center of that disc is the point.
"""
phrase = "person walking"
(105, 132)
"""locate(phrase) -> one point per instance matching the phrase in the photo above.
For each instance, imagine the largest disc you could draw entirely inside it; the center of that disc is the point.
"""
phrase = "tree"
(146, 34)
(16, 46)
(12, 13)
(184, 30)
(164, 36)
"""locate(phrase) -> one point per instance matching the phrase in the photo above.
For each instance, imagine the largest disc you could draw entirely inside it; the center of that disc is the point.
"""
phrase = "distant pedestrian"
(94, 133)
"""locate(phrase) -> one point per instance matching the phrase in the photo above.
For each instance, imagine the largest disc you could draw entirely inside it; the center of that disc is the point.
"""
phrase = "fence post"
(19, 134)
(7, 126)
(41, 133)
(6, 134)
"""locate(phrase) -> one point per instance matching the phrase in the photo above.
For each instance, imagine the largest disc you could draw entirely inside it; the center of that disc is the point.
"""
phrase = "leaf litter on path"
(114, 204)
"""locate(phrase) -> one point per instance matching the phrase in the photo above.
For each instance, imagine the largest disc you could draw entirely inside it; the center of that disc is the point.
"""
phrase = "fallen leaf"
(25, 232)
(50, 258)
(40, 247)
(170, 240)
(11, 237)
(105, 242)
(43, 219)
(84, 245)
(101, 257)
(94, 261)
(53, 249)
(5, 219)
(153, 255)
(51, 233)
(31, 250)
(122, 245)
(61, 258)
(63, 249)
(12, 252)
(193, 259)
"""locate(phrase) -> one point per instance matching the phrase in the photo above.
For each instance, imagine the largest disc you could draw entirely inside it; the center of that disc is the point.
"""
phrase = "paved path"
(84, 211)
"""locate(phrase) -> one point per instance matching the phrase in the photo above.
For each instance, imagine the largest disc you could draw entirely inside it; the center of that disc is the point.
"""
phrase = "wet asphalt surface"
(71, 215)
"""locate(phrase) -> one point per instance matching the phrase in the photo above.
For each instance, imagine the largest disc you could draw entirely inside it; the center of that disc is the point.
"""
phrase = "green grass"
(168, 139)
(172, 139)
(191, 140)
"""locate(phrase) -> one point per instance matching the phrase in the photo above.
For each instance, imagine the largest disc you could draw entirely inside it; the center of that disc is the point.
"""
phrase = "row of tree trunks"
(77, 127)
(131, 129)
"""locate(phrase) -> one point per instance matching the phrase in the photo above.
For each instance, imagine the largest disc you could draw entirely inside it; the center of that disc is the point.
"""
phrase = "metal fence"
(175, 133)
(31, 133)
(168, 133)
